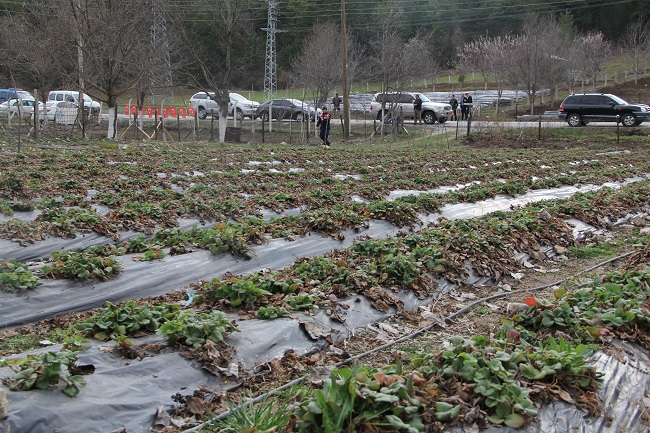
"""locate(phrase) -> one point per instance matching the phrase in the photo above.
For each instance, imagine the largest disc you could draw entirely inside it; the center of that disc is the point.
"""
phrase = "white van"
(94, 107)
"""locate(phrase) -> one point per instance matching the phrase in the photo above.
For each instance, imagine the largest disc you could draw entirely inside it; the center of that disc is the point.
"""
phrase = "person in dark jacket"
(324, 123)
(336, 103)
(468, 106)
(417, 109)
(454, 107)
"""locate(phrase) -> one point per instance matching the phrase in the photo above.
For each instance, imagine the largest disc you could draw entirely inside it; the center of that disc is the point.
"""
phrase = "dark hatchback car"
(286, 109)
(580, 109)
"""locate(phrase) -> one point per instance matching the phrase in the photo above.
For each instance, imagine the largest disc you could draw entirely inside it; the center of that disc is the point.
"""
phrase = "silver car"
(10, 108)
(397, 103)
(206, 105)
(244, 107)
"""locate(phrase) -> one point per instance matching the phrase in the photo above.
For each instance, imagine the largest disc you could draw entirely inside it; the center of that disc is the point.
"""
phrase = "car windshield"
(618, 100)
(24, 94)
(424, 98)
(237, 97)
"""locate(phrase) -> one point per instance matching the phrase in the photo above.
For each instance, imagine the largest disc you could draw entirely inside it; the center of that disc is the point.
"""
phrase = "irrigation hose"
(403, 339)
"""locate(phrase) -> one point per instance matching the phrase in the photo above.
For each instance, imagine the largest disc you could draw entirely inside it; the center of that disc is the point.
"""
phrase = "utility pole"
(80, 66)
(270, 70)
(346, 92)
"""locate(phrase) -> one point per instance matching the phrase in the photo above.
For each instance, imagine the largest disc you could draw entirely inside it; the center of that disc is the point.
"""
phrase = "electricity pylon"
(270, 68)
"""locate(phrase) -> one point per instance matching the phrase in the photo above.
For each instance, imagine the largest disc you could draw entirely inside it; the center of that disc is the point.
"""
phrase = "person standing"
(336, 103)
(324, 123)
(468, 109)
(454, 107)
(463, 107)
(417, 109)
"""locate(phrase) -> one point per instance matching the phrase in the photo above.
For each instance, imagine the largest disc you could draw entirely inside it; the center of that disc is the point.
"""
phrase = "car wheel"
(429, 117)
(628, 119)
(202, 114)
(240, 115)
(300, 117)
(574, 120)
(264, 115)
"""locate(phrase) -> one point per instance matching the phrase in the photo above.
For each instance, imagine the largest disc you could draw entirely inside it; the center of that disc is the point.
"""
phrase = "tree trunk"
(112, 123)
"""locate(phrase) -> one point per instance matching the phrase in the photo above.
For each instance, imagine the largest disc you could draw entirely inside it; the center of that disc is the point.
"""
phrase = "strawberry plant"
(167, 237)
(236, 291)
(20, 206)
(275, 282)
(229, 237)
(558, 357)
(15, 276)
(301, 301)
(151, 254)
(44, 371)
(70, 264)
(396, 269)
(127, 319)
(272, 312)
(194, 329)
(362, 399)
(6, 208)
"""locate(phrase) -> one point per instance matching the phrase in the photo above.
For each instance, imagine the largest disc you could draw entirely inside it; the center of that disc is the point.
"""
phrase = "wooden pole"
(346, 92)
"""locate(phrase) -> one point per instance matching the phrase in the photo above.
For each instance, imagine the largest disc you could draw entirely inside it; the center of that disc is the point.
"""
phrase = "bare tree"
(32, 41)
(498, 61)
(112, 46)
(227, 23)
(418, 60)
(476, 56)
(535, 56)
(395, 61)
(388, 49)
(636, 46)
(593, 52)
(318, 66)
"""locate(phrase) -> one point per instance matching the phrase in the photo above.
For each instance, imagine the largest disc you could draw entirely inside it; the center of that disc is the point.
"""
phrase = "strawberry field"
(152, 287)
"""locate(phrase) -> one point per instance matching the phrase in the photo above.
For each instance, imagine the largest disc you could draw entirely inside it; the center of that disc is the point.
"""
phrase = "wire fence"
(68, 126)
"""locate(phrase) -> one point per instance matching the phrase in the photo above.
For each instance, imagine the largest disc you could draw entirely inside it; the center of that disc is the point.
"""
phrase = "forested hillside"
(154, 49)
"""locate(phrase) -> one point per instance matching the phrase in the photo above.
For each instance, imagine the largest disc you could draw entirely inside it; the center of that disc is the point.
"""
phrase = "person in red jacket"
(324, 123)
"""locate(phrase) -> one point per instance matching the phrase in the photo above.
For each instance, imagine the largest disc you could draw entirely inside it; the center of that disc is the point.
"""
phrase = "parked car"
(205, 105)
(6, 94)
(582, 108)
(287, 109)
(10, 107)
(244, 107)
(402, 102)
(91, 106)
(54, 107)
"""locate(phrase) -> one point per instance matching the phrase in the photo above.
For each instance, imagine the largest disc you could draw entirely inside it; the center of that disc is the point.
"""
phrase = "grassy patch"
(588, 252)
(260, 417)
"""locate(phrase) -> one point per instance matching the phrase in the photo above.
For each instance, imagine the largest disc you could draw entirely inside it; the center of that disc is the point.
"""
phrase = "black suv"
(580, 109)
